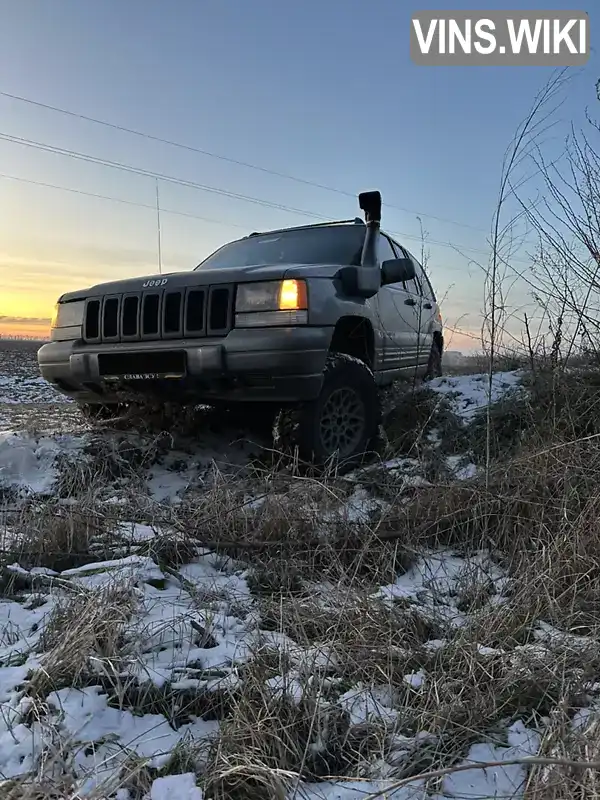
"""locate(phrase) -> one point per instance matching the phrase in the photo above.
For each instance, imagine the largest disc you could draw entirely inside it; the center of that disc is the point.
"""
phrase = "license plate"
(145, 376)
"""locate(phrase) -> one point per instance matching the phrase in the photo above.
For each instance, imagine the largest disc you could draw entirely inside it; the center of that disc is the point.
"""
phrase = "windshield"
(337, 244)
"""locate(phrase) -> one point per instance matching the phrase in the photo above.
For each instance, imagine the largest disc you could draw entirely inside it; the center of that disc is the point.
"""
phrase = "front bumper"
(277, 364)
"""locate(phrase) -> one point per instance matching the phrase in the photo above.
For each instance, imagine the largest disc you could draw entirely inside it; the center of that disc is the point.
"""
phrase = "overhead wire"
(85, 157)
(220, 157)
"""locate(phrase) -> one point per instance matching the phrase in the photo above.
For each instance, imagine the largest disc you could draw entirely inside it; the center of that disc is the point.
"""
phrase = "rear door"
(427, 305)
(398, 317)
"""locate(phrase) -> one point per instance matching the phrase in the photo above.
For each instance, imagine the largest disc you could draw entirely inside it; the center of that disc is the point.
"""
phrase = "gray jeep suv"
(311, 320)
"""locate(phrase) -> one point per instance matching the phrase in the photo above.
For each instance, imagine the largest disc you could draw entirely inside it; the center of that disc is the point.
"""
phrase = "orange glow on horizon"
(33, 328)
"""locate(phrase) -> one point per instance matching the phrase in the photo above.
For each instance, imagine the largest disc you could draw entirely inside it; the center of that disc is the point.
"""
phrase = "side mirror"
(358, 282)
(397, 270)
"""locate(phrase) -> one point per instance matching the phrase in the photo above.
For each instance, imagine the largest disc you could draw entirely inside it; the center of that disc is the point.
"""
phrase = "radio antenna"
(158, 230)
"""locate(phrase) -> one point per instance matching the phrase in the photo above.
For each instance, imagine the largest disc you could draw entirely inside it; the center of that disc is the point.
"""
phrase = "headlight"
(68, 315)
(288, 295)
(271, 303)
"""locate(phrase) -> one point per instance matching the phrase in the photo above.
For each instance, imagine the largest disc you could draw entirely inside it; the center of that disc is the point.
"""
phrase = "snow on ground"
(470, 393)
(20, 381)
(28, 390)
(194, 631)
(433, 583)
(191, 633)
(29, 462)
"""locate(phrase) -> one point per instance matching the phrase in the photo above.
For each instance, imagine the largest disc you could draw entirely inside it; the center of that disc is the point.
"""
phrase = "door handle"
(427, 305)
(410, 301)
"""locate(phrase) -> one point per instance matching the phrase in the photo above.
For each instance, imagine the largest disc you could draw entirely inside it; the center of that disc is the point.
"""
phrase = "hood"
(178, 280)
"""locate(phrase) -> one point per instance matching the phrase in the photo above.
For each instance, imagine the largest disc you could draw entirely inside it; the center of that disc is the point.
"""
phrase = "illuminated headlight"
(68, 315)
(271, 303)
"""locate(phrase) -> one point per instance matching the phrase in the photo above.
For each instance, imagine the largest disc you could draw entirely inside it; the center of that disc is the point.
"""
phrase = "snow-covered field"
(180, 620)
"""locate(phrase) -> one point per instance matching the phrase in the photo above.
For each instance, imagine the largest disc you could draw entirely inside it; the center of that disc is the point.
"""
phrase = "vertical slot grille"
(150, 320)
(198, 311)
(130, 316)
(110, 321)
(194, 317)
(218, 316)
(172, 313)
(92, 320)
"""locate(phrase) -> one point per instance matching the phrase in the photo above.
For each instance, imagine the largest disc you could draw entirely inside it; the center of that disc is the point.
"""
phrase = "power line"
(48, 148)
(212, 189)
(121, 200)
(227, 159)
(135, 204)
(110, 198)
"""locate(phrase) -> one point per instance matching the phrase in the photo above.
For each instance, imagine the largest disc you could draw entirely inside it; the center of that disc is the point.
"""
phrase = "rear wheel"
(342, 423)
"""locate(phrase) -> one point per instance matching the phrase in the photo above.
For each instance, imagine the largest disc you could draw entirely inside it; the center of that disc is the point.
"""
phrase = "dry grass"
(563, 741)
(83, 640)
(415, 412)
(539, 514)
(59, 537)
(314, 573)
(557, 407)
(26, 789)
(270, 741)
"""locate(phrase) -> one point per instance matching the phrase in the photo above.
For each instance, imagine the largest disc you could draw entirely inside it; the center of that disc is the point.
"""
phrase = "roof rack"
(355, 221)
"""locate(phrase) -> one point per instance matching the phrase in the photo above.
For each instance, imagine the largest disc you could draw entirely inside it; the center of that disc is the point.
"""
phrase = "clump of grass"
(568, 740)
(83, 639)
(301, 528)
(275, 577)
(556, 405)
(170, 550)
(31, 789)
(271, 741)
(415, 413)
(60, 537)
(110, 457)
(179, 706)
(188, 756)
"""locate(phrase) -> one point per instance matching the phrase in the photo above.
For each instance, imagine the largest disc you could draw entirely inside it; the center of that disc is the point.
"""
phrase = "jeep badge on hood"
(157, 282)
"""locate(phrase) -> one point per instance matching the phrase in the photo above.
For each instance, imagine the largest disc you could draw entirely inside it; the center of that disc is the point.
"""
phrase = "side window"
(413, 286)
(423, 279)
(385, 250)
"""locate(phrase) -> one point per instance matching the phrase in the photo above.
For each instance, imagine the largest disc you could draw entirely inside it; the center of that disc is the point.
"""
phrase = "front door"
(398, 317)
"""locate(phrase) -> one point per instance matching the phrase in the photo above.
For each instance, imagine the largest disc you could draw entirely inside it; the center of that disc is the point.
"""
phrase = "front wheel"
(342, 423)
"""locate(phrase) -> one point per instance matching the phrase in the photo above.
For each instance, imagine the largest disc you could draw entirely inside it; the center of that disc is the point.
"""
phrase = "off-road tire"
(302, 426)
(434, 365)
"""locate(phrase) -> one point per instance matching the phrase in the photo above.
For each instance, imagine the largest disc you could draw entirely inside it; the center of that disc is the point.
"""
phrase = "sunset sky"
(323, 92)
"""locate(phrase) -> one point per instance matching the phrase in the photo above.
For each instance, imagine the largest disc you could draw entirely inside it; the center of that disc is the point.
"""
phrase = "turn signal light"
(292, 295)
